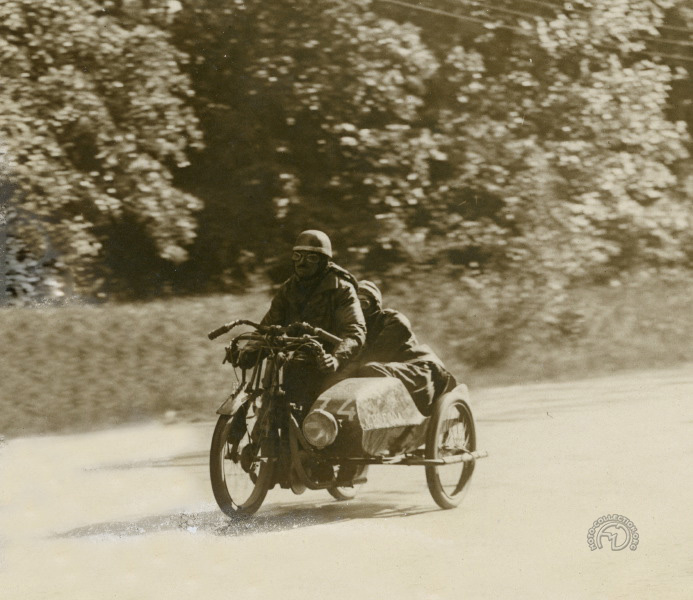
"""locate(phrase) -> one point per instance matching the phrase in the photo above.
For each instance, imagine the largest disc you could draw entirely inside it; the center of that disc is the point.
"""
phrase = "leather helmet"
(313, 240)
(371, 290)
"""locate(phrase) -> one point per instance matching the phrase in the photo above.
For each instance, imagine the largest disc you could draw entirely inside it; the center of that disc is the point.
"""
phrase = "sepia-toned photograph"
(346, 299)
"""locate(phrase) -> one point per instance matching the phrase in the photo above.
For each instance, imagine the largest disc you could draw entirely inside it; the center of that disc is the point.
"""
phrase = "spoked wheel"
(450, 432)
(240, 474)
(343, 493)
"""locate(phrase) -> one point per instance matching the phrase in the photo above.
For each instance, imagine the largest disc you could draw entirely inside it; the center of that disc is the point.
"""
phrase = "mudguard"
(460, 391)
(237, 399)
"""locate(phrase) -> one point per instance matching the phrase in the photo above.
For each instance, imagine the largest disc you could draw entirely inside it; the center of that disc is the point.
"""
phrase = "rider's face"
(368, 306)
(307, 264)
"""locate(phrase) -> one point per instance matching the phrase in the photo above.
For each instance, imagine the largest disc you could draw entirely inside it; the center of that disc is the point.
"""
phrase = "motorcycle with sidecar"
(263, 439)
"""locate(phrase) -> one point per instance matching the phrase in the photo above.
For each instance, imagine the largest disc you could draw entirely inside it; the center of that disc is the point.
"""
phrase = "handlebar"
(277, 330)
(212, 335)
(326, 336)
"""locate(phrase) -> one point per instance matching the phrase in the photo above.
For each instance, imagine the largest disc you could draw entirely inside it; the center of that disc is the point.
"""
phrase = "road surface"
(128, 513)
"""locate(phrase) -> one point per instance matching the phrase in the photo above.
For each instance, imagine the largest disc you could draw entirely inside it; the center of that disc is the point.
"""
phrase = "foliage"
(561, 162)
(95, 118)
(542, 156)
(310, 116)
(555, 158)
(81, 366)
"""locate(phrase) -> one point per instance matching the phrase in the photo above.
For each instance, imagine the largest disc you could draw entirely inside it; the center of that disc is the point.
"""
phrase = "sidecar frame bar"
(407, 460)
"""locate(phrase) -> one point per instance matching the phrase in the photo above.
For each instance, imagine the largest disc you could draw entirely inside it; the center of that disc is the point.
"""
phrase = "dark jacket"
(330, 302)
(390, 339)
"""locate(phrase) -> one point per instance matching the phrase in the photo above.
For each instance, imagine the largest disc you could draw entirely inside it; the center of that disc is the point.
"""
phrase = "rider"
(324, 295)
(392, 350)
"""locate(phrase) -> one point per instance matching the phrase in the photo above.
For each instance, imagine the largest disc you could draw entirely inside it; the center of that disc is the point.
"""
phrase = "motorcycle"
(263, 438)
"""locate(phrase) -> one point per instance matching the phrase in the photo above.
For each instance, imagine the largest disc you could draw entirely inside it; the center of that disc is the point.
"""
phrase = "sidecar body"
(365, 417)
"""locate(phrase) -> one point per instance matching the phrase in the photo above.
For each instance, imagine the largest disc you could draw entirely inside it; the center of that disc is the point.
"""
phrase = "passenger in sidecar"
(392, 350)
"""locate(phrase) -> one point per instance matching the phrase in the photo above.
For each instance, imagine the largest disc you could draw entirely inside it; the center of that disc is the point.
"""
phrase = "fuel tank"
(376, 417)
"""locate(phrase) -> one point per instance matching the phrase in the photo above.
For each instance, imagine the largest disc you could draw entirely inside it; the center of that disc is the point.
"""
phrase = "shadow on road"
(275, 518)
(193, 459)
(272, 517)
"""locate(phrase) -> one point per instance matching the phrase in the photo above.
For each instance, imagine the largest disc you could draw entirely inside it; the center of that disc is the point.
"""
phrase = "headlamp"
(320, 428)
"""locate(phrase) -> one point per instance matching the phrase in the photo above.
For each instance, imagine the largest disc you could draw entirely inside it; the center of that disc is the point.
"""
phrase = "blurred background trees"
(508, 150)
(95, 121)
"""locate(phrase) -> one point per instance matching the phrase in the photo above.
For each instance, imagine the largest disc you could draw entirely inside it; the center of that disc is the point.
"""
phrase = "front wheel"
(450, 432)
(240, 475)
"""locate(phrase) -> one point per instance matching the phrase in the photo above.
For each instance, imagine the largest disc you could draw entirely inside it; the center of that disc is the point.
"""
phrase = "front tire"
(240, 479)
(450, 432)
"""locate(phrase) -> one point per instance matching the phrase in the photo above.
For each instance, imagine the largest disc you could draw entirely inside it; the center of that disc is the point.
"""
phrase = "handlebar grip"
(212, 335)
(325, 336)
(229, 326)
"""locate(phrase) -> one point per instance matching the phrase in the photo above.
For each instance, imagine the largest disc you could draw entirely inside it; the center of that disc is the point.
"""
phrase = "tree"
(310, 112)
(560, 158)
(95, 121)
(545, 149)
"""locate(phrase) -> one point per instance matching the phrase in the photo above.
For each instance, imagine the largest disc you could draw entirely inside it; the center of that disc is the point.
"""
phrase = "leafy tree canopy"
(95, 118)
(184, 144)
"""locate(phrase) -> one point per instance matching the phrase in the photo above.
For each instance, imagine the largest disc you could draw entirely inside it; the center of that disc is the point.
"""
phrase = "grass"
(82, 367)
(591, 331)
(78, 367)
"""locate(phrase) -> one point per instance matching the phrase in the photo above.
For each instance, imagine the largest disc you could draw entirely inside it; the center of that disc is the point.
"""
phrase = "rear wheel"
(451, 432)
(241, 475)
(343, 493)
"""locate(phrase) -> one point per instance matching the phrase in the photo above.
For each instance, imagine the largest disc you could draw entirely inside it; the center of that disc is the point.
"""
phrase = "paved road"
(128, 513)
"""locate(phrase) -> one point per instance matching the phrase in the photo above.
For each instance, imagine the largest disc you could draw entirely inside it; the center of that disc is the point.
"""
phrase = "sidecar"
(369, 421)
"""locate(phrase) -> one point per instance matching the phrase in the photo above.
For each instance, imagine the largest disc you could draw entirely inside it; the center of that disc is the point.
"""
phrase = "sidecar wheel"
(240, 480)
(450, 431)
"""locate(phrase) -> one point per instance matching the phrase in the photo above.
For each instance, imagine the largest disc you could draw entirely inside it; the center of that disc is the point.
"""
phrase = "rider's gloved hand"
(296, 329)
(247, 358)
(328, 363)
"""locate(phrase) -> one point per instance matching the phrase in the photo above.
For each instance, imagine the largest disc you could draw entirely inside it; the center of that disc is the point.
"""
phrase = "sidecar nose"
(320, 428)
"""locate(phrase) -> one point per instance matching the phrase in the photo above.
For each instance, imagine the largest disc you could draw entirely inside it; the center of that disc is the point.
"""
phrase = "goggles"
(311, 257)
(365, 300)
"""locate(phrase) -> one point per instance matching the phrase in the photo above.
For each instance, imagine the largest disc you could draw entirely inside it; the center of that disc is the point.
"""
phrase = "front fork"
(287, 446)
